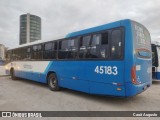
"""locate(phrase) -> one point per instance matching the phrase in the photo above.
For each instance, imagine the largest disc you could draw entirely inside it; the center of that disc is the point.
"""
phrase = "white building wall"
(2, 52)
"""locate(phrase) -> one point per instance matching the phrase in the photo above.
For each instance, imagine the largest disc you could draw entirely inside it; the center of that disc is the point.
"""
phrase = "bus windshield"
(142, 40)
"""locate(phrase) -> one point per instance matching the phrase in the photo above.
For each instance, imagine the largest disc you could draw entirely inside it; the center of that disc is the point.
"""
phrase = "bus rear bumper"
(132, 90)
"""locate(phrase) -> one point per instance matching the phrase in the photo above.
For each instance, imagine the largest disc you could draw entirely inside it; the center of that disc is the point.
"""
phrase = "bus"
(155, 60)
(113, 59)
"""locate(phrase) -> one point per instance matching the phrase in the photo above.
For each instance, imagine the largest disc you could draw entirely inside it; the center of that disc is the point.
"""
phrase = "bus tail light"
(133, 74)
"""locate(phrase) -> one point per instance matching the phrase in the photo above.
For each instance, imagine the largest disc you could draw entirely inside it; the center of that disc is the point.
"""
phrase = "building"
(2, 52)
(30, 28)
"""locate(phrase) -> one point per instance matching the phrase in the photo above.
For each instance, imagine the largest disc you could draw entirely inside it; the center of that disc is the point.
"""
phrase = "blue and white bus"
(155, 60)
(112, 59)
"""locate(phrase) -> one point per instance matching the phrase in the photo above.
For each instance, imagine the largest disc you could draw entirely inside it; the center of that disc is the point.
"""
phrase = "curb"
(4, 75)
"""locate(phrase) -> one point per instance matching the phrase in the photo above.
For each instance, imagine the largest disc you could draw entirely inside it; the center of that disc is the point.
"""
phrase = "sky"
(60, 17)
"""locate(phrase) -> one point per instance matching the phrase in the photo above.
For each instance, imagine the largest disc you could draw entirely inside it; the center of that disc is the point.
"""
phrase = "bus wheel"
(13, 77)
(53, 82)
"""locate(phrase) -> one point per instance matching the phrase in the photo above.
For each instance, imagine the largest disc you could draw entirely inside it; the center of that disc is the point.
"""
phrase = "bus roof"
(78, 33)
(96, 29)
(34, 43)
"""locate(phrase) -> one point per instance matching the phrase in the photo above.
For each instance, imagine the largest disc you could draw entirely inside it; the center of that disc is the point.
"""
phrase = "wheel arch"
(56, 87)
(50, 72)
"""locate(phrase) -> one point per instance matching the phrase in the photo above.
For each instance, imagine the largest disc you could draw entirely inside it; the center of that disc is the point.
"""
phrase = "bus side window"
(92, 49)
(68, 49)
(37, 52)
(47, 50)
(23, 53)
(54, 49)
(40, 52)
(154, 56)
(84, 46)
(28, 55)
(102, 50)
(116, 44)
(17, 54)
(62, 51)
(72, 49)
(158, 56)
(104, 38)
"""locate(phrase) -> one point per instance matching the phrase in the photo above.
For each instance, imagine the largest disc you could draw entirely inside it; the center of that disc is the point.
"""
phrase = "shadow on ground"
(95, 98)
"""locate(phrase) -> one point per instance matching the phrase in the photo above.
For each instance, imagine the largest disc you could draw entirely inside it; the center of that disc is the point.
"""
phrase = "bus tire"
(13, 77)
(53, 82)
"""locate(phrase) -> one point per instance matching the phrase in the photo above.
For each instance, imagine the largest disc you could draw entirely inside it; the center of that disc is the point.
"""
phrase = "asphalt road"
(24, 95)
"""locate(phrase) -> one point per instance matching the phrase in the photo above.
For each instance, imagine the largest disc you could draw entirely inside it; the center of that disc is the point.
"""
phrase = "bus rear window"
(142, 40)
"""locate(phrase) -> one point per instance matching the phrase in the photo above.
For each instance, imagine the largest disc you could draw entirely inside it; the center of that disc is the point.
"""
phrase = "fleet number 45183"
(106, 70)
